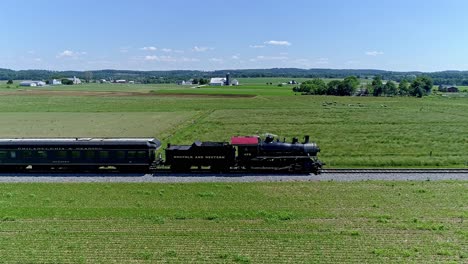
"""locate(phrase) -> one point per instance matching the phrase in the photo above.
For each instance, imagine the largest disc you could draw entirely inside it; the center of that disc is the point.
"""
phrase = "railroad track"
(395, 171)
(234, 173)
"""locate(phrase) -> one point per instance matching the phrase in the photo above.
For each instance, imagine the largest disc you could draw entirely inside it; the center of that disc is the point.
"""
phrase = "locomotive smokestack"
(306, 139)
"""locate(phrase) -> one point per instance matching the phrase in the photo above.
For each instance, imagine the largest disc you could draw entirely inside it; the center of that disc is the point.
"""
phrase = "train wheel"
(180, 168)
(219, 169)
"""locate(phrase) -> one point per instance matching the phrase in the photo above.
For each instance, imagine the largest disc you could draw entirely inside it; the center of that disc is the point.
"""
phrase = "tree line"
(420, 86)
(444, 77)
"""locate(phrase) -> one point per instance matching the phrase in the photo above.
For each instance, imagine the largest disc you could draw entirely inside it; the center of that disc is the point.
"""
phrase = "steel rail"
(394, 170)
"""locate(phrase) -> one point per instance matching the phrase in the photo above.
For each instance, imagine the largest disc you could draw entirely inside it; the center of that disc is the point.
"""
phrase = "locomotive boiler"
(276, 155)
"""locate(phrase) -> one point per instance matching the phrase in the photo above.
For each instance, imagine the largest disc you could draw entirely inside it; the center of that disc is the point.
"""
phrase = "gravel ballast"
(5, 178)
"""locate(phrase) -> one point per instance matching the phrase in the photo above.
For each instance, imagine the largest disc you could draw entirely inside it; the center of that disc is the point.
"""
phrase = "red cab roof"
(251, 140)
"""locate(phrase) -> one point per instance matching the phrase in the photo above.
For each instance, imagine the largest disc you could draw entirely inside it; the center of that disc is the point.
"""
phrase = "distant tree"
(203, 81)
(377, 86)
(88, 76)
(390, 88)
(416, 88)
(403, 87)
(348, 86)
(420, 86)
(10, 81)
(314, 86)
(67, 82)
(333, 86)
(427, 84)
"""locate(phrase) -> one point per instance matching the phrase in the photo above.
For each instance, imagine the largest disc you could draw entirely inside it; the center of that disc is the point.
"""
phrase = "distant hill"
(443, 77)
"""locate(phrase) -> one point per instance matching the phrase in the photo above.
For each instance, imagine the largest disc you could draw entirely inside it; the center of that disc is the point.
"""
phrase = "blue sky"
(206, 35)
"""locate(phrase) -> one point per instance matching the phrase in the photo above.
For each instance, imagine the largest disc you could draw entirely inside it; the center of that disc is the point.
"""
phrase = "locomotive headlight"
(311, 148)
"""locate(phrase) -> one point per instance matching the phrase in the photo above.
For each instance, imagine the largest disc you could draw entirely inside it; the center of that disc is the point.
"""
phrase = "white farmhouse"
(55, 82)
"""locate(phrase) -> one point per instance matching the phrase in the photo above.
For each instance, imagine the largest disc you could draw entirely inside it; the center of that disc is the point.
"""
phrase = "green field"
(351, 131)
(325, 222)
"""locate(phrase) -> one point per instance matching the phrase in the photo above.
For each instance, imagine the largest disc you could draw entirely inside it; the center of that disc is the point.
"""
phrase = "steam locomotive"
(139, 155)
(252, 154)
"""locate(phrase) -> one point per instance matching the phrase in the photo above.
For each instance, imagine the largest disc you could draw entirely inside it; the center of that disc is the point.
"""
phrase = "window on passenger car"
(41, 154)
(131, 154)
(120, 154)
(141, 154)
(3, 154)
(27, 154)
(103, 154)
(89, 154)
(13, 154)
(76, 154)
(61, 154)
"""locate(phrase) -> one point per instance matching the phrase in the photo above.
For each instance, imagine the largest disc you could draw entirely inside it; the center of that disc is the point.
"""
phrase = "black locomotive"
(252, 154)
(139, 155)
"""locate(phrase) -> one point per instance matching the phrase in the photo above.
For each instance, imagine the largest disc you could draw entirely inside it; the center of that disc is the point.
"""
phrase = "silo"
(228, 79)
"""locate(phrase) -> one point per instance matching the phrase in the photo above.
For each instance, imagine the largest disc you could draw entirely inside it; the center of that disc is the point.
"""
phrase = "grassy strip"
(234, 222)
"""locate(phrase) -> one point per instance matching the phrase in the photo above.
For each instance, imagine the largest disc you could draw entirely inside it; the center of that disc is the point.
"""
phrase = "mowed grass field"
(351, 131)
(298, 222)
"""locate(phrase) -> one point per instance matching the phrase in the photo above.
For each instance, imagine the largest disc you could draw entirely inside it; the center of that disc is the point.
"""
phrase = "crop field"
(60, 124)
(351, 131)
(326, 222)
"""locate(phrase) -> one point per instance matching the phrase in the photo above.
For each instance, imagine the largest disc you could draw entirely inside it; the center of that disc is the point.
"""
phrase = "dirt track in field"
(118, 94)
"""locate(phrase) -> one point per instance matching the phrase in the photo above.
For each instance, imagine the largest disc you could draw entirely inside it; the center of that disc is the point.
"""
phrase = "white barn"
(32, 83)
(27, 83)
(217, 81)
(75, 80)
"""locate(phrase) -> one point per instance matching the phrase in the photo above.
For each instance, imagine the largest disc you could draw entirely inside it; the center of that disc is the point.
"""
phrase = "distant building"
(452, 89)
(292, 82)
(75, 80)
(55, 82)
(223, 81)
(32, 83)
(27, 83)
(448, 88)
(131, 82)
(120, 81)
(217, 81)
(103, 81)
(183, 82)
(228, 79)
